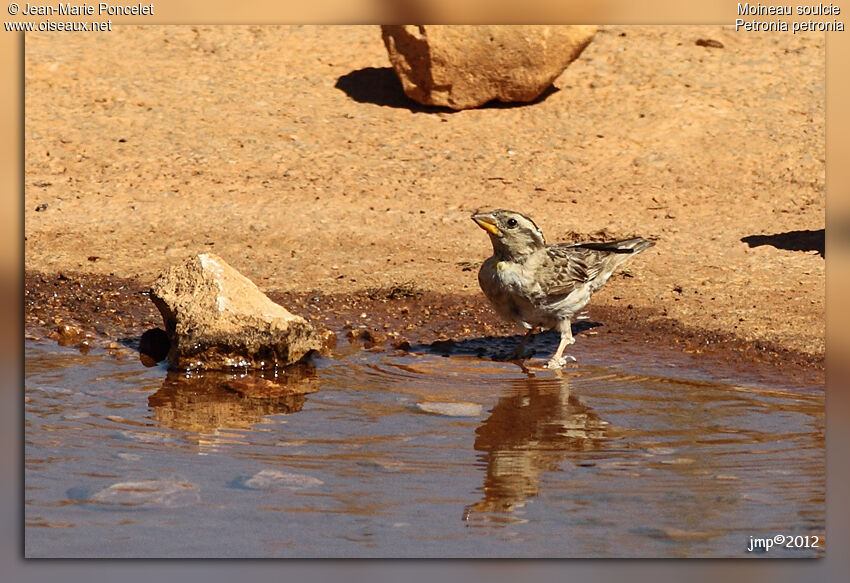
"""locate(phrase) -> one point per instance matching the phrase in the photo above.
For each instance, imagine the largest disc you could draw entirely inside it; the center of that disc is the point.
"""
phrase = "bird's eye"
(511, 223)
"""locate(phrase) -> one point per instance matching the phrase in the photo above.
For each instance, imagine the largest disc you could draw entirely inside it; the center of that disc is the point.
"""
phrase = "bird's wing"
(622, 247)
(571, 266)
(574, 265)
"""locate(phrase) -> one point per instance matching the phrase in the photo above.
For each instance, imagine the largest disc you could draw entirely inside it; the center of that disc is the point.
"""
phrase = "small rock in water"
(217, 319)
(676, 534)
(275, 479)
(451, 409)
(145, 436)
(385, 465)
(149, 494)
(67, 335)
(128, 457)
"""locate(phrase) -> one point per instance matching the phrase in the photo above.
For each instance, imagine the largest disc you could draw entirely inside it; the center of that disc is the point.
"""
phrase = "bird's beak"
(487, 222)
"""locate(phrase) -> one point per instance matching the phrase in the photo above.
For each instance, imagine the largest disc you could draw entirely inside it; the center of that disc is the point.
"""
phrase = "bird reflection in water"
(529, 431)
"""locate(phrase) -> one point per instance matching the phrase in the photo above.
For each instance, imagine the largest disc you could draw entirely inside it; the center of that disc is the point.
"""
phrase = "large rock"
(217, 319)
(466, 66)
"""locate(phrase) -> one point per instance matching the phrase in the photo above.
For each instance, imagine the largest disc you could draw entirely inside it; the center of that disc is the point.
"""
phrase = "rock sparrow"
(540, 285)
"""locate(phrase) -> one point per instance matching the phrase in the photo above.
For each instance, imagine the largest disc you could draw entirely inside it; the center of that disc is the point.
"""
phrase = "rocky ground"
(292, 153)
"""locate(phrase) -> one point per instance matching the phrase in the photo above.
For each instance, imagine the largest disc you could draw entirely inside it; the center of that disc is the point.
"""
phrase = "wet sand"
(112, 313)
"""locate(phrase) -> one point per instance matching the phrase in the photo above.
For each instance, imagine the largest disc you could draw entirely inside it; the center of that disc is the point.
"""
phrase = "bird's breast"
(515, 290)
(502, 277)
(504, 284)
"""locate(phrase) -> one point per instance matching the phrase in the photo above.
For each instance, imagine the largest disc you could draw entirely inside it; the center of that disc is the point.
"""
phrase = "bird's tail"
(616, 253)
(625, 246)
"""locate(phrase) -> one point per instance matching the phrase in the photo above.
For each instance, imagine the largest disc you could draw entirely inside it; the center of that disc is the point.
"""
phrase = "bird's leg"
(517, 352)
(558, 360)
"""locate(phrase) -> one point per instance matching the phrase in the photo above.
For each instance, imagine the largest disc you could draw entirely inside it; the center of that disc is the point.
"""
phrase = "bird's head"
(513, 234)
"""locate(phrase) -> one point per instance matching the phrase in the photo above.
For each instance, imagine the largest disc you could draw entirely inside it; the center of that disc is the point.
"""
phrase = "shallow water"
(415, 456)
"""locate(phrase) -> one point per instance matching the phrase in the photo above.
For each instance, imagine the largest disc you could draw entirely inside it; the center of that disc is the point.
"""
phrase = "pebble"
(451, 409)
(149, 494)
(275, 479)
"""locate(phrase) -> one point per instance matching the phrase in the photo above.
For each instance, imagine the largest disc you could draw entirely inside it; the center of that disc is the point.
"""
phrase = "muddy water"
(416, 456)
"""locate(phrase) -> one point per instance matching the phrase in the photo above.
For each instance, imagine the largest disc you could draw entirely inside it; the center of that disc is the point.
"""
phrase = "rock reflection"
(528, 432)
(206, 403)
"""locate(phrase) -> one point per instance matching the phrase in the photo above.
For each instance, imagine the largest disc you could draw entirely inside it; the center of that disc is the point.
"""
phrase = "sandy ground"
(292, 153)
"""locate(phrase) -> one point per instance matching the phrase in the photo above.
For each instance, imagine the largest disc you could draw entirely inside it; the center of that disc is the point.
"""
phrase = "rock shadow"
(380, 86)
(791, 240)
(499, 347)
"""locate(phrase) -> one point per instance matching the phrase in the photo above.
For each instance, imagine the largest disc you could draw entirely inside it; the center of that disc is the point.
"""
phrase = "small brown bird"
(539, 285)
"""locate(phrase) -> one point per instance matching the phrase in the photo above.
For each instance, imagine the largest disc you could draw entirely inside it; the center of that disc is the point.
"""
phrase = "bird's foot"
(561, 362)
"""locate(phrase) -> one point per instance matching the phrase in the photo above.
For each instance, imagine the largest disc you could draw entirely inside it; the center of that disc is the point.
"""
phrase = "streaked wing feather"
(572, 265)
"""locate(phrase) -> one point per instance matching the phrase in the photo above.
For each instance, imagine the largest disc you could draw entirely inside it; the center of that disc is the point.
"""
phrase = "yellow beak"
(487, 222)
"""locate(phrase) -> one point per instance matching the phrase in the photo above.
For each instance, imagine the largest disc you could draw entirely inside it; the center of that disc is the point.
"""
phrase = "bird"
(543, 286)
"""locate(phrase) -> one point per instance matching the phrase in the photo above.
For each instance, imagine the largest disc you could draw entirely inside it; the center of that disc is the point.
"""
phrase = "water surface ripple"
(414, 456)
